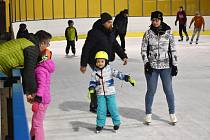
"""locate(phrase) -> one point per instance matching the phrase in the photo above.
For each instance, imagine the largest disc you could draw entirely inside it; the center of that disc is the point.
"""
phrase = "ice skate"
(116, 128)
(148, 119)
(98, 129)
(173, 119)
(187, 38)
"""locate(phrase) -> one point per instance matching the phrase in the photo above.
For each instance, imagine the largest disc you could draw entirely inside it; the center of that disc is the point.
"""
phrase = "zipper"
(158, 48)
(102, 82)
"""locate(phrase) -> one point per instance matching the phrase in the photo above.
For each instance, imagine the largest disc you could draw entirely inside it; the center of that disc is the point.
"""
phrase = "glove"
(91, 90)
(147, 68)
(130, 80)
(174, 70)
(35, 106)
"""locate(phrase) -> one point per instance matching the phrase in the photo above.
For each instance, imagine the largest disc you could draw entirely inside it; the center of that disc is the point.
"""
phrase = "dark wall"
(2, 17)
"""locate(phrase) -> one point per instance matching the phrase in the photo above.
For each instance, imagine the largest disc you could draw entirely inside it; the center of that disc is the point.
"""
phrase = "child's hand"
(35, 106)
(30, 98)
(130, 80)
(91, 90)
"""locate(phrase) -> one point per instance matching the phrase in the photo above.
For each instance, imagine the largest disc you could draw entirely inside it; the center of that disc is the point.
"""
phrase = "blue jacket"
(102, 80)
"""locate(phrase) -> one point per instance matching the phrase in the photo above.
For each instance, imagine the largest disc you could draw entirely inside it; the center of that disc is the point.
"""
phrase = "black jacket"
(31, 58)
(100, 39)
(120, 23)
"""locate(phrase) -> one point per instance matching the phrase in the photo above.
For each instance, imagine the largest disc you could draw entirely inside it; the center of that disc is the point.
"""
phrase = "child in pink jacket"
(42, 98)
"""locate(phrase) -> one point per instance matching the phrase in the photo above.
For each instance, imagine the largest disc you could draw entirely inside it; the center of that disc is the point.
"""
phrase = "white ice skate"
(173, 119)
(148, 119)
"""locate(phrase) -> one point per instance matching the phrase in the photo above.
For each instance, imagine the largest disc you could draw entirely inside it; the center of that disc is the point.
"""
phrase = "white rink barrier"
(83, 25)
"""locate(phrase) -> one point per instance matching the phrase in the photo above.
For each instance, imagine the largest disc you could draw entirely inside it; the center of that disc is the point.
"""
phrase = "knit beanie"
(105, 17)
(157, 14)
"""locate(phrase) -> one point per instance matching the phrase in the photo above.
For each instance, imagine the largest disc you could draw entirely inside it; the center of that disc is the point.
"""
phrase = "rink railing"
(14, 125)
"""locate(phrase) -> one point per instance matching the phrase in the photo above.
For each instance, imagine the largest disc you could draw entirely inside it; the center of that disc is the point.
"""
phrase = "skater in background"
(198, 23)
(120, 26)
(41, 98)
(102, 84)
(182, 18)
(23, 31)
(159, 56)
(71, 35)
(100, 38)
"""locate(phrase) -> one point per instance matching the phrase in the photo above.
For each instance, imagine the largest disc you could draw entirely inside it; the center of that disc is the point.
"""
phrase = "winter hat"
(125, 11)
(105, 17)
(70, 22)
(157, 14)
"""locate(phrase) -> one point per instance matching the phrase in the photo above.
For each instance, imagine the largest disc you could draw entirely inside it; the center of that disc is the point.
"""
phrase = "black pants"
(182, 28)
(72, 45)
(122, 39)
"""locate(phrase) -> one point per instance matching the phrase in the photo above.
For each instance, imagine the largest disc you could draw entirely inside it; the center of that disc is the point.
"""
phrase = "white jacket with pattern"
(158, 45)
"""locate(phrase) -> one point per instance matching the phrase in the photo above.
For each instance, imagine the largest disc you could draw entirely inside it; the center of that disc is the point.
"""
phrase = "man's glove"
(147, 68)
(174, 70)
(91, 90)
(130, 80)
(35, 106)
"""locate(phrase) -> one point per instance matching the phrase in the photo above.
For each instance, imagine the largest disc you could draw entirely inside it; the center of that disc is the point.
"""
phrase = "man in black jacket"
(100, 38)
(120, 26)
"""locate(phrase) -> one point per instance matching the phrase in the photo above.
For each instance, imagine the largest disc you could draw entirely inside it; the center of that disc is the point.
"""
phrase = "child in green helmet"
(102, 84)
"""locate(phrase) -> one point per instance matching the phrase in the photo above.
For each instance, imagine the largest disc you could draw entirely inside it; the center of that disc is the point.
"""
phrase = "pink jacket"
(43, 75)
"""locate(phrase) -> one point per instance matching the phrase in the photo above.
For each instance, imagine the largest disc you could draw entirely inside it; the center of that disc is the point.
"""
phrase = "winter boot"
(148, 119)
(173, 119)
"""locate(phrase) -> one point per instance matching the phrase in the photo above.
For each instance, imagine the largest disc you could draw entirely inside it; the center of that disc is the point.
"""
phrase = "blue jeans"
(152, 80)
(104, 102)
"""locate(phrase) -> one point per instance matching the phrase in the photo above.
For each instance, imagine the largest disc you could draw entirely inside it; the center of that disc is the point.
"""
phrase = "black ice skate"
(98, 129)
(116, 128)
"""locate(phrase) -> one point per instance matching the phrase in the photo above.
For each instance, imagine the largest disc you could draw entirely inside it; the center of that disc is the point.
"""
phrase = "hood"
(48, 65)
(161, 29)
(97, 24)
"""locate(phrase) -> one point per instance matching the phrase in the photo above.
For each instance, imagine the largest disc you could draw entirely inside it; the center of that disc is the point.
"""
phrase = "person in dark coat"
(182, 18)
(120, 26)
(24, 53)
(22, 32)
(100, 38)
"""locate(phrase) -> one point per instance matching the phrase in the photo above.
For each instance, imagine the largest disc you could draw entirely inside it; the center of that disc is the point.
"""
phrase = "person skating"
(71, 36)
(100, 38)
(182, 18)
(160, 59)
(198, 23)
(120, 26)
(102, 84)
(23, 31)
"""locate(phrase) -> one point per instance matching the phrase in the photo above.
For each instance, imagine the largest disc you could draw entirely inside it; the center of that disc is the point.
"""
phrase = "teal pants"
(104, 102)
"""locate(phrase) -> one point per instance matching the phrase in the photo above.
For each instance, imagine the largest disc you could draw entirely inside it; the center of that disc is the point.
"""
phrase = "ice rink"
(68, 116)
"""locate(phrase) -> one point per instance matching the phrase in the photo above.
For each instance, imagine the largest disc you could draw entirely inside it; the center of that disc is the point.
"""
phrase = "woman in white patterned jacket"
(159, 56)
